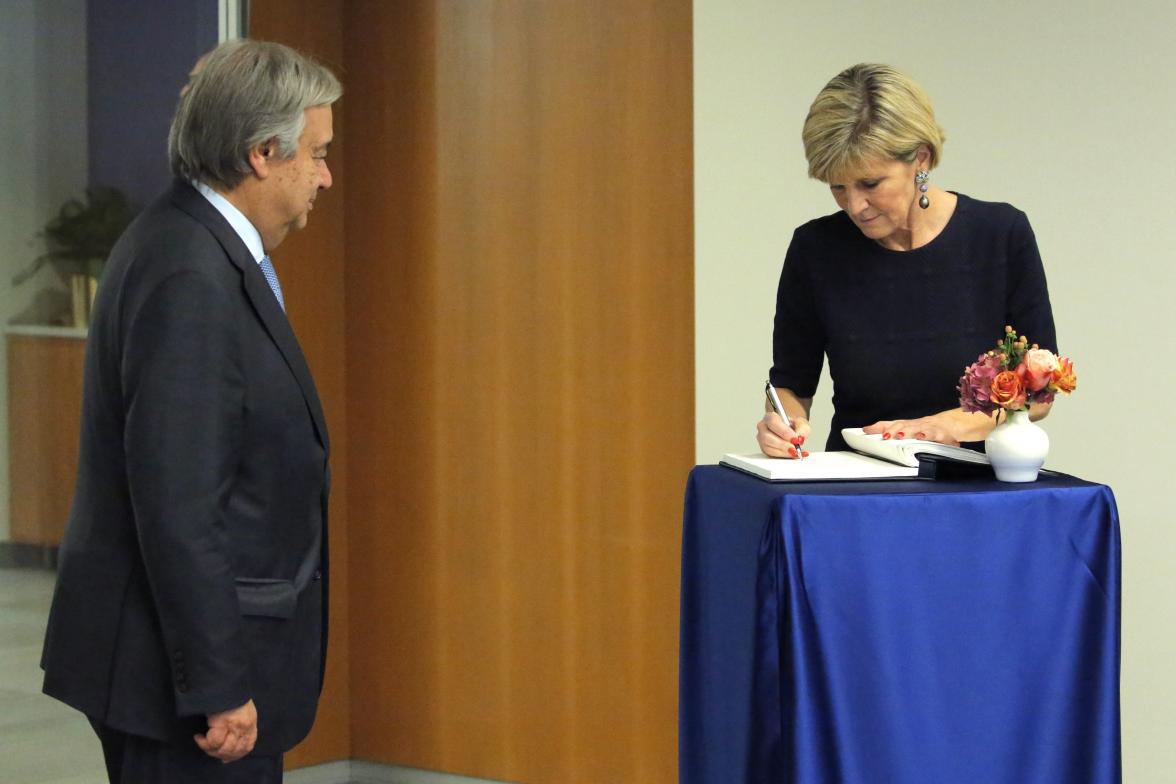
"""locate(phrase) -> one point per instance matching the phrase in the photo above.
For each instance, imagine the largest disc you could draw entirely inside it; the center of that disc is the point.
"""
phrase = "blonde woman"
(902, 287)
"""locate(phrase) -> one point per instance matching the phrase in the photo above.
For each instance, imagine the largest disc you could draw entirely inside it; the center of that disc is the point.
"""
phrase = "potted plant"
(80, 237)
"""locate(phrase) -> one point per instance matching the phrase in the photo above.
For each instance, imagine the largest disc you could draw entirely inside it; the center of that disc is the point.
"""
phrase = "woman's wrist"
(971, 426)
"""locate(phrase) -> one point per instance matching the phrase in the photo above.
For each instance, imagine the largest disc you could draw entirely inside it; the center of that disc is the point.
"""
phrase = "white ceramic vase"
(1017, 448)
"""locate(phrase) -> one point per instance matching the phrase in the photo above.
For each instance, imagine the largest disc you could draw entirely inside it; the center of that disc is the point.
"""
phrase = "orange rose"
(1008, 391)
(1064, 379)
(1037, 368)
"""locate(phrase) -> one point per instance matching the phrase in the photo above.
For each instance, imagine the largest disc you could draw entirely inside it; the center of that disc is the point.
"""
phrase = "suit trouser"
(131, 759)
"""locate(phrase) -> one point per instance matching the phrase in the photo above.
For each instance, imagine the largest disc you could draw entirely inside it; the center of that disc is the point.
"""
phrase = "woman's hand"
(947, 427)
(777, 439)
(937, 427)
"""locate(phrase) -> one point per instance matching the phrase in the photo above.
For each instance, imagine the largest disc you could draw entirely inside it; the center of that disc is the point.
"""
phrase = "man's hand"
(231, 734)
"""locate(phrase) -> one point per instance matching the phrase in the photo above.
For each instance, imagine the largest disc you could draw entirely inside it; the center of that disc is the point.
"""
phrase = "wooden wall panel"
(519, 383)
(511, 336)
(393, 373)
(310, 265)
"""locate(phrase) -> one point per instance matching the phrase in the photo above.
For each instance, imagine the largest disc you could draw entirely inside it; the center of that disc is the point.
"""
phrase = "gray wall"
(43, 152)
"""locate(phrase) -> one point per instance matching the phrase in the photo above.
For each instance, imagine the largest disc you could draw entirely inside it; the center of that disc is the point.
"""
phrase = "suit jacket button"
(318, 574)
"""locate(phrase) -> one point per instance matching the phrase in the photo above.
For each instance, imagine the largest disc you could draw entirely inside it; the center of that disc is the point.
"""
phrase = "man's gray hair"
(247, 93)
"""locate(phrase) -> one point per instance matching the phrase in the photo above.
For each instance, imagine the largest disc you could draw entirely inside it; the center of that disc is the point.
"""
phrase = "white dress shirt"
(245, 230)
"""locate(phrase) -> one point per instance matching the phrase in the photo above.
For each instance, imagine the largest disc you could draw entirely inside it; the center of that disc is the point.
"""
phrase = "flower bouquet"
(1009, 378)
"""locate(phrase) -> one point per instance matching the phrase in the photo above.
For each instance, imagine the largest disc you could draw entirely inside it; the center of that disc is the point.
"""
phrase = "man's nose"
(326, 180)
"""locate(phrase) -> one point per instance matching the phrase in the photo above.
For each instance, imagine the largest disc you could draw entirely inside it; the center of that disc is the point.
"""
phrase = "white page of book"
(818, 466)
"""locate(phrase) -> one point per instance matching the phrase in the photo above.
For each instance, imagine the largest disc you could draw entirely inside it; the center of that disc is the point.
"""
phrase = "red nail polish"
(802, 439)
(804, 453)
(885, 436)
(792, 451)
(900, 434)
(796, 441)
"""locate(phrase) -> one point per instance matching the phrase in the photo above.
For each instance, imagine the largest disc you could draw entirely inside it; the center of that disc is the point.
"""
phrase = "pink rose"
(1037, 368)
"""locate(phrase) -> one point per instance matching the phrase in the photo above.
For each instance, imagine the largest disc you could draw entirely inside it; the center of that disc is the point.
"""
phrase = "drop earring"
(921, 177)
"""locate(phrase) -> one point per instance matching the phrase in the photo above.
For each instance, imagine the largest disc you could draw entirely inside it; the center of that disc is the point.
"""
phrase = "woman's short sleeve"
(798, 339)
(1029, 310)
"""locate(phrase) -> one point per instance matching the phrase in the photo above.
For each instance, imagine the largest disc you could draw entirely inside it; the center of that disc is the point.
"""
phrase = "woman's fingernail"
(796, 441)
(804, 453)
(885, 436)
(792, 451)
(900, 434)
(802, 439)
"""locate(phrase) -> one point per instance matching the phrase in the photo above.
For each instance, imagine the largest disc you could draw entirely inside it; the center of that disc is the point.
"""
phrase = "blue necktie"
(271, 277)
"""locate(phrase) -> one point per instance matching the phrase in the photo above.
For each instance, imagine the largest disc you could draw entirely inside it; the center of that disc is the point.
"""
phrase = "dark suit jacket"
(192, 575)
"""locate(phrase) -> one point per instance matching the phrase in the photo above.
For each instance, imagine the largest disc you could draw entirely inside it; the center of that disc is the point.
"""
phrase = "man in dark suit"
(189, 618)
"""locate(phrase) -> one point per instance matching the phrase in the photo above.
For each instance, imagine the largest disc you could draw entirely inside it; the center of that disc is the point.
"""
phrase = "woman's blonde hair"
(865, 112)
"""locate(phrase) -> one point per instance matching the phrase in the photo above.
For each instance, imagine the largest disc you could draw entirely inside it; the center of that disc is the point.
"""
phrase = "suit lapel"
(260, 296)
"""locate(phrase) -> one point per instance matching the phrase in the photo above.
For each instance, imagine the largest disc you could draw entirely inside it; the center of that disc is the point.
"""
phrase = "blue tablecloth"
(899, 632)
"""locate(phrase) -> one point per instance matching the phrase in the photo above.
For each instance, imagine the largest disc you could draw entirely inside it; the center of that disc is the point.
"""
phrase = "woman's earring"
(921, 177)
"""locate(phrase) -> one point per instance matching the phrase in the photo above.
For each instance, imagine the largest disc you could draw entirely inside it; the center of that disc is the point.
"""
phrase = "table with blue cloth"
(899, 632)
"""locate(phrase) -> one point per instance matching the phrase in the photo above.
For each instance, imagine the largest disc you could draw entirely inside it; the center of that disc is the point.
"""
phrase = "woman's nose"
(857, 203)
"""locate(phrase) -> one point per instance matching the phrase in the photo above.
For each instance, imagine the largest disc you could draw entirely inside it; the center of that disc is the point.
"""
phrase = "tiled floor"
(41, 740)
(44, 742)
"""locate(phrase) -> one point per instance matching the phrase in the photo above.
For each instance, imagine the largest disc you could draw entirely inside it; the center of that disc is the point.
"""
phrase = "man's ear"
(260, 156)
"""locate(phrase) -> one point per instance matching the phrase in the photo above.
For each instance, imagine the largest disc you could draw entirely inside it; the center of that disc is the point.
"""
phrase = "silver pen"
(774, 399)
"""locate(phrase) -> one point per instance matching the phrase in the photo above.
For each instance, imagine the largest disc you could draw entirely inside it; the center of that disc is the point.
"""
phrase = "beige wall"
(1062, 109)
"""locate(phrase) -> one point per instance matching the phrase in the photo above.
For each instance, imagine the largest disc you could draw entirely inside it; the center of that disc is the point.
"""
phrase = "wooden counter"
(44, 414)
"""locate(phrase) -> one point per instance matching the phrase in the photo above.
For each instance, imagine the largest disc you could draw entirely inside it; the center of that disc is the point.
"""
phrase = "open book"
(905, 451)
(874, 459)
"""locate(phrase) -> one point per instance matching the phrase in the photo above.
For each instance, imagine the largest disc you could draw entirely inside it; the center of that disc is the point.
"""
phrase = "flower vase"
(82, 289)
(1017, 448)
